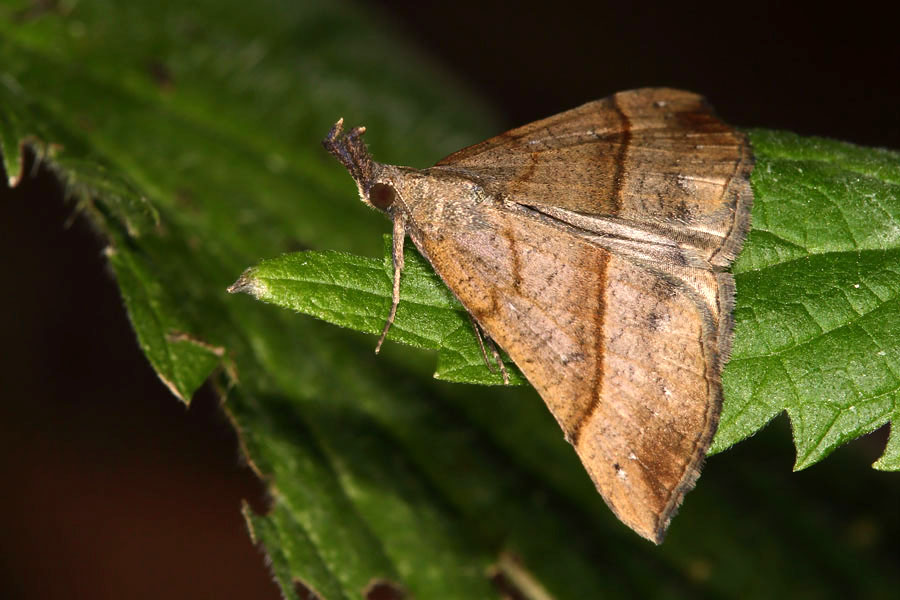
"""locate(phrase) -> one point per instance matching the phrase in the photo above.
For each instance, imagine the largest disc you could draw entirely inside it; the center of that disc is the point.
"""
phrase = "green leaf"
(818, 283)
(353, 291)
(189, 133)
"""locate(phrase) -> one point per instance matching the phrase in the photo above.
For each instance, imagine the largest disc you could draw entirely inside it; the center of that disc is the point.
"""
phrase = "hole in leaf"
(160, 74)
(382, 589)
(304, 592)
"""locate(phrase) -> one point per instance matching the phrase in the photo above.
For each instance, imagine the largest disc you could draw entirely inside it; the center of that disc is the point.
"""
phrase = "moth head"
(377, 184)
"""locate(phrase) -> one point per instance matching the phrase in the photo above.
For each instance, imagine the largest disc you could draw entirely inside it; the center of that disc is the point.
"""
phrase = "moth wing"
(625, 358)
(656, 157)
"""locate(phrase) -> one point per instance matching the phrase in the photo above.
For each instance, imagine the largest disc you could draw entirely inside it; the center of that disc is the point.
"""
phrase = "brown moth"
(592, 247)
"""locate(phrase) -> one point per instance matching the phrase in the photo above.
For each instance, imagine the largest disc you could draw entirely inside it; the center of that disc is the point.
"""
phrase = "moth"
(593, 247)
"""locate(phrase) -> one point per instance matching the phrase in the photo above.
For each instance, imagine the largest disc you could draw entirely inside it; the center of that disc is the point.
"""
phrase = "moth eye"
(382, 196)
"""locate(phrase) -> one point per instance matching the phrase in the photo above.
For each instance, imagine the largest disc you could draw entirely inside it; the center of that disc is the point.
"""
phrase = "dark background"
(801, 66)
(104, 472)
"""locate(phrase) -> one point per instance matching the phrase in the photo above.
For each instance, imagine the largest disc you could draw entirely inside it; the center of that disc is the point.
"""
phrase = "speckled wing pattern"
(598, 265)
(592, 247)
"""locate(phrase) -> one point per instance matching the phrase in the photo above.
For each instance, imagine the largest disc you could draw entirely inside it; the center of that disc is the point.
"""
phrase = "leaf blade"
(819, 271)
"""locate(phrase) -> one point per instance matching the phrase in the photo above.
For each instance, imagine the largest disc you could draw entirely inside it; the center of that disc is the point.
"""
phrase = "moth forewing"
(590, 246)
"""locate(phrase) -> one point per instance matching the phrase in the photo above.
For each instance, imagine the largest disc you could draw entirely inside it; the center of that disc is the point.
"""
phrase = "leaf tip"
(248, 284)
(176, 390)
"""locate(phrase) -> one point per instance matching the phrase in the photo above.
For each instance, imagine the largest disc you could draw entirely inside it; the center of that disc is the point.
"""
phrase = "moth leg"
(482, 337)
(499, 360)
(399, 235)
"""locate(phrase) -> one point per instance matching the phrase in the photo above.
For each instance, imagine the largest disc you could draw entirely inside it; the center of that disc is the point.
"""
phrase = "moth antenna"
(351, 151)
